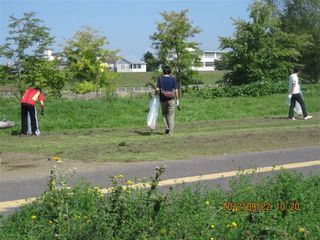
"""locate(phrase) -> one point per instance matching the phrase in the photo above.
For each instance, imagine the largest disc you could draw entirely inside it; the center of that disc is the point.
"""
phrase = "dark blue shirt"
(166, 83)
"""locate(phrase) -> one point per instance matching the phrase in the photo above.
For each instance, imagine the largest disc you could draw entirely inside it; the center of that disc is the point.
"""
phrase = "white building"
(207, 60)
(128, 64)
(48, 54)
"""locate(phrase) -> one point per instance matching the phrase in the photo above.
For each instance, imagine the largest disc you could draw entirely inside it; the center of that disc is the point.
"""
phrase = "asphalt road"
(216, 169)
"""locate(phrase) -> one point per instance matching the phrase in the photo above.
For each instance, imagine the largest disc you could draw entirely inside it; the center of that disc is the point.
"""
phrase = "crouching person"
(28, 101)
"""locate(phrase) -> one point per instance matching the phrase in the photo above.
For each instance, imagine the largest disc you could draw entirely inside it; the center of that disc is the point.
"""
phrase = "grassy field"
(116, 130)
(141, 79)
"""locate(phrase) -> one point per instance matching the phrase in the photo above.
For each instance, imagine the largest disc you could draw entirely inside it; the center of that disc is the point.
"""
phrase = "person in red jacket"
(28, 101)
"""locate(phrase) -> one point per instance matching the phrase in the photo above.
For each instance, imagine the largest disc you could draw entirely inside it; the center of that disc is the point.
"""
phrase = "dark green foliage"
(152, 63)
(248, 90)
(303, 17)
(260, 50)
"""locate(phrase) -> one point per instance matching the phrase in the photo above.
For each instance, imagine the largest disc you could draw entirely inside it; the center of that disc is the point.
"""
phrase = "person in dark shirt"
(169, 98)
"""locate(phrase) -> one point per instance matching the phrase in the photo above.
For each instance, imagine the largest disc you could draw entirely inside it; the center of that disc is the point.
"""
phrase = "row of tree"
(278, 35)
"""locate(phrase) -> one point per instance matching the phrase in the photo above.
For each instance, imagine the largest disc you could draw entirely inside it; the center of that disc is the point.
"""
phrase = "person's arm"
(41, 100)
(157, 90)
(294, 83)
(292, 87)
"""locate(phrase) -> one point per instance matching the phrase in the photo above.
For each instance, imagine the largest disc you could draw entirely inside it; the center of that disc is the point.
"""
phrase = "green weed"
(83, 212)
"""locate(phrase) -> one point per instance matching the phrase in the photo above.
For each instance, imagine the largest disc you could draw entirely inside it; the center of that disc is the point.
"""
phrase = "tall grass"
(132, 111)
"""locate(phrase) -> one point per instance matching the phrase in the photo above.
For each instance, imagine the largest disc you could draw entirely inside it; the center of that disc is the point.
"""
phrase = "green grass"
(280, 207)
(133, 79)
(132, 111)
(141, 79)
(211, 77)
(116, 130)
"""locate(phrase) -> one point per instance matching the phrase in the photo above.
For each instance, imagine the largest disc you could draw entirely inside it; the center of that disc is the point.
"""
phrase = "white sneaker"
(292, 118)
(307, 117)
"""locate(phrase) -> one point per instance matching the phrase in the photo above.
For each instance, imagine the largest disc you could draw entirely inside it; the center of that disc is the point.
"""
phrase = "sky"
(127, 24)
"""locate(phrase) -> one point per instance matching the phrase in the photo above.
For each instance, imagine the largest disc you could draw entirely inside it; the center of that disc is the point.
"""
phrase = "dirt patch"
(13, 168)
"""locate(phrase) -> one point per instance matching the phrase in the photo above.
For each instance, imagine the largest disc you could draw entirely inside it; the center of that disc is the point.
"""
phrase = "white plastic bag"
(153, 112)
(297, 108)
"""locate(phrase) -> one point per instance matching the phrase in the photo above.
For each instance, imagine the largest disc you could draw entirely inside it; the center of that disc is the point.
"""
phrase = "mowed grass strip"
(193, 140)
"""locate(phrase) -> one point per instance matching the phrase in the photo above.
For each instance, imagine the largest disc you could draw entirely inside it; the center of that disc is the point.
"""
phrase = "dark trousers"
(297, 98)
(27, 109)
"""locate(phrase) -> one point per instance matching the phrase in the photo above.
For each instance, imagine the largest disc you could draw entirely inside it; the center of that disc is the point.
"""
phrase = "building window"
(209, 64)
(219, 56)
(209, 55)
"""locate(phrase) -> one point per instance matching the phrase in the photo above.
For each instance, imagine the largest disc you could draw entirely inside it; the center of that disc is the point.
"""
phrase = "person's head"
(37, 86)
(166, 70)
(296, 69)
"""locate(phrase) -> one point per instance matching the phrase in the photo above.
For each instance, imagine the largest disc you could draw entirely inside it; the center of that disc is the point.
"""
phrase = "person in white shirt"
(295, 95)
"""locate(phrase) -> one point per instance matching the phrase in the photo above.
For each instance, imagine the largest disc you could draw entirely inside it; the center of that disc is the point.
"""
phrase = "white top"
(294, 82)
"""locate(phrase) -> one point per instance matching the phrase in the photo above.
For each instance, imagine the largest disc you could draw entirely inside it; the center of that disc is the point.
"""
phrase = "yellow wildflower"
(163, 231)
(50, 222)
(212, 238)
(233, 224)
(301, 230)
(57, 159)
(212, 226)
(207, 203)
(129, 182)
(33, 217)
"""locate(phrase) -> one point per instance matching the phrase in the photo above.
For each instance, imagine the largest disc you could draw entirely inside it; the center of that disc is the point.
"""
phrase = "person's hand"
(178, 104)
(290, 96)
(42, 111)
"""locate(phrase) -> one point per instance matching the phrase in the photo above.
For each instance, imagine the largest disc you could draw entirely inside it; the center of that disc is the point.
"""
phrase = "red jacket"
(31, 95)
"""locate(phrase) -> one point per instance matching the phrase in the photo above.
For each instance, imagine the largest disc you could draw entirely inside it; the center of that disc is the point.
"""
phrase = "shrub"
(248, 90)
(84, 87)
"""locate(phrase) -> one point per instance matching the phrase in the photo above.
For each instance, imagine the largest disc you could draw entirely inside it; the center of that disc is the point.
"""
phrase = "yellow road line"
(5, 206)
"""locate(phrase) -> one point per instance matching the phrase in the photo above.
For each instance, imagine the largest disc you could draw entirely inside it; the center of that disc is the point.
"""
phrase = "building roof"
(131, 60)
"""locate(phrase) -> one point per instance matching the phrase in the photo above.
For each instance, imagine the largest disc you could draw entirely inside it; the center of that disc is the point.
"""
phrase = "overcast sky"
(127, 24)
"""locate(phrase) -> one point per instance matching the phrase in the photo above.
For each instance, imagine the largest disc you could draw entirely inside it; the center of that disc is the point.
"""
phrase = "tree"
(220, 64)
(86, 58)
(27, 41)
(173, 46)
(151, 61)
(300, 17)
(260, 50)
(47, 73)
